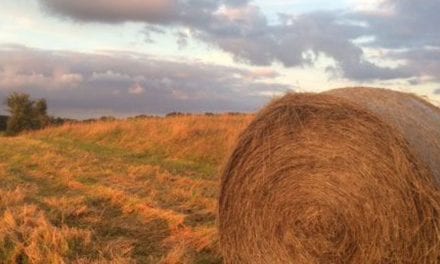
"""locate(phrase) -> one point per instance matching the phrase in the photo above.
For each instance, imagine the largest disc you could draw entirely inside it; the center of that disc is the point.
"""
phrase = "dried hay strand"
(317, 178)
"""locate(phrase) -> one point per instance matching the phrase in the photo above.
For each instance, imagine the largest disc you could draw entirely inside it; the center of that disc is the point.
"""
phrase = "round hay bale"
(317, 178)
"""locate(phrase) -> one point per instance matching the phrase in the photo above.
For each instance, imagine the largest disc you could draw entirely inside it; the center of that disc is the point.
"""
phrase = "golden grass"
(202, 138)
(27, 236)
(135, 191)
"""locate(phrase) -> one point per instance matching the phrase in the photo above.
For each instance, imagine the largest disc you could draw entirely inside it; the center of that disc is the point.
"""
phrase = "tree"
(25, 114)
(41, 119)
(3, 121)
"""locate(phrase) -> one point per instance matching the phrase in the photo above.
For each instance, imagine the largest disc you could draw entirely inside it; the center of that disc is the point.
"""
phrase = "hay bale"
(316, 178)
(416, 119)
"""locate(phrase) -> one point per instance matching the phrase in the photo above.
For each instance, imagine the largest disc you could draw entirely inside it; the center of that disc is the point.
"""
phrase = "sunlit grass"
(136, 191)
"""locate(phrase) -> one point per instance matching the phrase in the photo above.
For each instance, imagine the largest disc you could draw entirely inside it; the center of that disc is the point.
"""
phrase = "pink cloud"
(136, 89)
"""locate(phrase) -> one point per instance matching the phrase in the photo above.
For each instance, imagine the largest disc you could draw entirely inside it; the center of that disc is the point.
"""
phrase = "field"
(132, 191)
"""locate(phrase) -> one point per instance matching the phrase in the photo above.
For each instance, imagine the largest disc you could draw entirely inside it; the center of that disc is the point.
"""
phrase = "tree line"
(27, 114)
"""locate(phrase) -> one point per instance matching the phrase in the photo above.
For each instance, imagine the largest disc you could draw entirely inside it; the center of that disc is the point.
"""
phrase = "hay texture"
(417, 120)
(340, 177)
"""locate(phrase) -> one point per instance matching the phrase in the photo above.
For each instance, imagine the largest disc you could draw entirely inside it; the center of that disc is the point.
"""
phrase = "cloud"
(437, 91)
(136, 89)
(19, 68)
(407, 31)
(250, 38)
(149, 11)
(126, 83)
(404, 24)
(262, 73)
(114, 11)
(423, 62)
(404, 31)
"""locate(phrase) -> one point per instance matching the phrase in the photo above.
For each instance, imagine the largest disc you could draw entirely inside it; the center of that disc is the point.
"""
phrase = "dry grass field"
(135, 191)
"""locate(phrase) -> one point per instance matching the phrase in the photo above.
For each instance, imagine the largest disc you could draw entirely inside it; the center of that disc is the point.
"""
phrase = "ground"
(132, 191)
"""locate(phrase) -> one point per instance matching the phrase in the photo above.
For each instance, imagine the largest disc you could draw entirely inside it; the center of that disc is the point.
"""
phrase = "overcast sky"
(113, 57)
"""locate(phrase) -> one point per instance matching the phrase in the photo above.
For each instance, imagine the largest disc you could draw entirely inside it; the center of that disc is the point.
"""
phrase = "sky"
(124, 58)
